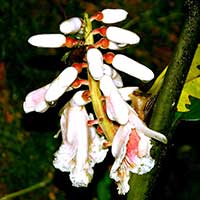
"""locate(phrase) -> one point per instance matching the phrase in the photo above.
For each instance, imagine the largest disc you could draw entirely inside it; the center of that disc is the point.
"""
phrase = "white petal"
(113, 15)
(116, 107)
(131, 67)
(35, 101)
(122, 36)
(47, 40)
(142, 128)
(63, 158)
(71, 25)
(61, 84)
(143, 165)
(126, 91)
(115, 46)
(95, 63)
(117, 80)
(78, 100)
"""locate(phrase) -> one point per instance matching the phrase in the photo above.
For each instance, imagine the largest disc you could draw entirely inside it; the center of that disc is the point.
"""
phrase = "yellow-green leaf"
(192, 83)
(191, 88)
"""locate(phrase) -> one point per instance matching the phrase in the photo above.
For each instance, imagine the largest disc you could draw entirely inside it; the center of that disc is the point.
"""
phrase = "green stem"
(165, 106)
(106, 125)
(27, 190)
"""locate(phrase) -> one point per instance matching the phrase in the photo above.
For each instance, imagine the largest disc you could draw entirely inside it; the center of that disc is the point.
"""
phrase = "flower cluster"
(86, 139)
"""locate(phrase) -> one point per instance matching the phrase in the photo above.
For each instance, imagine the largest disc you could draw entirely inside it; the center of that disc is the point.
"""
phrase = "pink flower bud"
(47, 40)
(95, 63)
(121, 36)
(61, 84)
(71, 25)
(131, 67)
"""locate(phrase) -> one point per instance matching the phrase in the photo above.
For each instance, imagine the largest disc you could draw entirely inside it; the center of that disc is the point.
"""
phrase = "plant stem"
(165, 106)
(106, 125)
(27, 190)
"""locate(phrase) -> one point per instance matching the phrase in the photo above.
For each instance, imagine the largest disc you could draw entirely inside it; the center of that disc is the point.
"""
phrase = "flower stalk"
(106, 125)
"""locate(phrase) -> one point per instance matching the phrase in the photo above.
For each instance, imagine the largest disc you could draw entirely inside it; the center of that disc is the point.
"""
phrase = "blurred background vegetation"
(26, 140)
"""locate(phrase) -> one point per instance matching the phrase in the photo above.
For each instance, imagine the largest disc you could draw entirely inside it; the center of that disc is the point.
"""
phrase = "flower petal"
(95, 63)
(47, 40)
(61, 84)
(71, 25)
(126, 91)
(113, 15)
(131, 67)
(117, 80)
(121, 36)
(35, 101)
(115, 106)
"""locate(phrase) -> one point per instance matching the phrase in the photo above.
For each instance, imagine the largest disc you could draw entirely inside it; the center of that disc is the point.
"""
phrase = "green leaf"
(193, 114)
(190, 88)
(192, 83)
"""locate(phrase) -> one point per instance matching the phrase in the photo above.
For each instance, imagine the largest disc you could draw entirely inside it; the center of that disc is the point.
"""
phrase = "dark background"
(26, 140)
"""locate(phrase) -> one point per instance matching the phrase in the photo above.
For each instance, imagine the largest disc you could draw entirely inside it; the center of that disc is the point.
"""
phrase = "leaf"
(191, 88)
(193, 114)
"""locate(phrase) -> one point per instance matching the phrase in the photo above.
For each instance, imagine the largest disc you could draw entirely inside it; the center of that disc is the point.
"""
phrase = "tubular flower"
(61, 84)
(116, 108)
(48, 40)
(131, 149)
(129, 66)
(110, 16)
(81, 147)
(72, 25)
(95, 63)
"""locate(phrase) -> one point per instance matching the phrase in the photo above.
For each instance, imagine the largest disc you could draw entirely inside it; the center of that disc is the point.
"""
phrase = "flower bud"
(71, 25)
(47, 40)
(121, 36)
(95, 63)
(111, 16)
(131, 67)
(61, 84)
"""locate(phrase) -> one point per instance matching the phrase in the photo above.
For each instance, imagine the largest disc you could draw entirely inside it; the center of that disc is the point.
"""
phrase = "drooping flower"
(82, 148)
(116, 108)
(71, 26)
(131, 149)
(35, 100)
(110, 16)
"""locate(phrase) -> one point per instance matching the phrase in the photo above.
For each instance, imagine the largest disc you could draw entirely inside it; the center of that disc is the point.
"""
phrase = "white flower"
(81, 147)
(121, 36)
(111, 16)
(117, 80)
(131, 149)
(71, 25)
(48, 40)
(131, 67)
(35, 100)
(61, 84)
(95, 63)
(116, 108)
